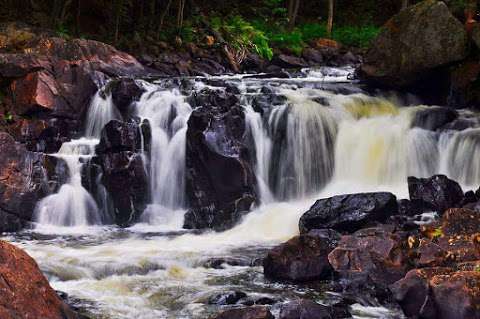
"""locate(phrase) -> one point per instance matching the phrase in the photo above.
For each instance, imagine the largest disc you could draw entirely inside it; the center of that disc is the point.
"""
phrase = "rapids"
(321, 136)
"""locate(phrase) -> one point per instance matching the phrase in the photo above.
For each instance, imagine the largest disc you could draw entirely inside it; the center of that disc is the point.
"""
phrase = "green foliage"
(356, 36)
(242, 35)
(291, 40)
(477, 268)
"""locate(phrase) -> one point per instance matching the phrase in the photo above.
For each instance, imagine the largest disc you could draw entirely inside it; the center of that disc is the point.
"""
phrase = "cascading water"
(72, 205)
(101, 111)
(168, 113)
(313, 138)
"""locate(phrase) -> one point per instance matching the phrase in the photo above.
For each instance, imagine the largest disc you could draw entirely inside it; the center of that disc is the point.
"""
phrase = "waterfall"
(168, 113)
(303, 131)
(72, 205)
(460, 152)
(101, 111)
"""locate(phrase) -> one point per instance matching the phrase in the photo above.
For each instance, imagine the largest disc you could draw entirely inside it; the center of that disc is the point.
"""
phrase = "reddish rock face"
(461, 221)
(24, 291)
(439, 293)
(377, 255)
(54, 79)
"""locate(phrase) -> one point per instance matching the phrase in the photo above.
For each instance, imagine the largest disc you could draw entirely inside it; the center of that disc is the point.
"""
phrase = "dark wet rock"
(24, 289)
(118, 136)
(416, 41)
(124, 92)
(302, 258)
(436, 193)
(253, 62)
(125, 179)
(120, 165)
(348, 213)
(439, 293)
(221, 185)
(25, 178)
(227, 298)
(256, 312)
(469, 198)
(371, 255)
(304, 309)
(434, 118)
(214, 98)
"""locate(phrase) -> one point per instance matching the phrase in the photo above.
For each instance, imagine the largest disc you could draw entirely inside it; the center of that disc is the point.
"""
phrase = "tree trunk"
(405, 4)
(331, 9)
(118, 13)
(77, 18)
(293, 7)
(162, 18)
(181, 8)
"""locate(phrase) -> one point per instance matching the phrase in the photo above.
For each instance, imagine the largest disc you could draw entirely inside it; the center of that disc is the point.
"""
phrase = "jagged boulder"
(24, 290)
(348, 213)
(25, 178)
(256, 312)
(413, 44)
(120, 163)
(371, 256)
(124, 92)
(439, 293)
(436, 193)
(221, 185)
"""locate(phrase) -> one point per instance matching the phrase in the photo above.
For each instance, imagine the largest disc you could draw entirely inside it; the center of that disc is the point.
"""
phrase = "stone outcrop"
(24, 290)
(49, 83)
(256, 312)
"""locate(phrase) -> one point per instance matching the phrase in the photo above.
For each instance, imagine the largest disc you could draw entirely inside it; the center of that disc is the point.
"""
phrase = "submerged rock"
(221, 185)
(24, 290)
(25, 178)
(348, 213)
(302, 258)
(436, 193)
(413, 44)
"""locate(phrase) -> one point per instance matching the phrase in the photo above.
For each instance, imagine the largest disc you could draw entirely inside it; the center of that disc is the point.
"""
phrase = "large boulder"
(302, 258)
(24, 290)
(25, 178)
(348, 213)
(436, 193)
(221, 185)
(439, 293)
(417, 41)
(120, 162)
(124, 92)
(371, 256)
